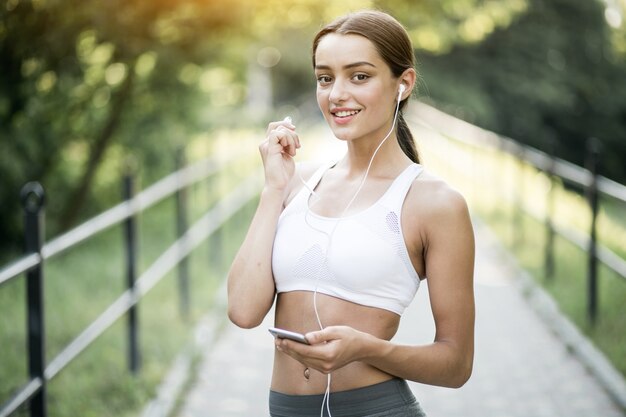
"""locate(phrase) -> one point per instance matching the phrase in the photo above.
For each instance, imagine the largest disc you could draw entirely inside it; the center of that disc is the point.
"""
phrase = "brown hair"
(392, 43)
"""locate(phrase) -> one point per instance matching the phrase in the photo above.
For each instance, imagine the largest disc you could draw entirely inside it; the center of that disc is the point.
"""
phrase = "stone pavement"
(521, 367)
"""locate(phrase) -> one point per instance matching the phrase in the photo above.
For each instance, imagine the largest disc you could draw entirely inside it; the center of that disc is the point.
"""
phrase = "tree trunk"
(78, 197)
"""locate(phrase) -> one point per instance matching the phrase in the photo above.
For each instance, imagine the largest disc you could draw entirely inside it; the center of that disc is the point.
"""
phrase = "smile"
(346, 113)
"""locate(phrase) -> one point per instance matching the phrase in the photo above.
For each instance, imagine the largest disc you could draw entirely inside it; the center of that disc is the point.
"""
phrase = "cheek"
(375, 96)
(322, 99)
(381, 103)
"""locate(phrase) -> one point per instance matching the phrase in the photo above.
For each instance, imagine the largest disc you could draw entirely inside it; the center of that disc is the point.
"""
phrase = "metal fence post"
(215, 241)
(181, 228)
(130, 240)
(548, 264)
(32, 197)
(593, 156)
(518, 201)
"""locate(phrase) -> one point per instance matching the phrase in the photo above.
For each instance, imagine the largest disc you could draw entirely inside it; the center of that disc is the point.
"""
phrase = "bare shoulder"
(439, 228)
(431, 198)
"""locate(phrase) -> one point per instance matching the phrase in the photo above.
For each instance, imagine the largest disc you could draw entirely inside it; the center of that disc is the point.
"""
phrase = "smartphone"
(286, 334)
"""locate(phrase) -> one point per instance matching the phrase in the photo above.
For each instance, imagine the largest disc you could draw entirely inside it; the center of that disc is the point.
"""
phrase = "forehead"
(340, 50)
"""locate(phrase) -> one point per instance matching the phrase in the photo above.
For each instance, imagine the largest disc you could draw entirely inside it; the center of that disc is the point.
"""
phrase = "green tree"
(555, 74)
(82, 77)
(86, 85)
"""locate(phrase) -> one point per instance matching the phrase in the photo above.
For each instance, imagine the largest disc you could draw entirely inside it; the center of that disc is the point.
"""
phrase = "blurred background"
(92, 90)
(88, 86)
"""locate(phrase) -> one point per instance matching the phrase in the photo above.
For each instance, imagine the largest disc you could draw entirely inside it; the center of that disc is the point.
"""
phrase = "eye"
(360, 77)
(324, 80)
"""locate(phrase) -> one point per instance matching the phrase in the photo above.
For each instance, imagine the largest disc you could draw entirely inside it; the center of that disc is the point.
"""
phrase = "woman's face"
(356, 90)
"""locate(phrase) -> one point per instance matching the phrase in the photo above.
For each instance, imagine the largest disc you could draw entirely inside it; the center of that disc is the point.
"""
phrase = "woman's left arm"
(449, 263)
(448, 243)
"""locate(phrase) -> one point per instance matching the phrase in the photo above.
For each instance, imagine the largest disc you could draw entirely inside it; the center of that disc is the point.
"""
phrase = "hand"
(328, 349)
(277, 152)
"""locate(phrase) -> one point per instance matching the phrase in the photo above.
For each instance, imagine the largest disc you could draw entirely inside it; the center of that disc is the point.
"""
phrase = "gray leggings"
(387, 399)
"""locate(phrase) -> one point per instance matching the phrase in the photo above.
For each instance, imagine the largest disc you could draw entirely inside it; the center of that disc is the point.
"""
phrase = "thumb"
(321, 336)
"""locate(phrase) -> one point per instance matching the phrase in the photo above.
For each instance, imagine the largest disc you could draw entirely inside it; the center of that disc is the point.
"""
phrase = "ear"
(407, 79)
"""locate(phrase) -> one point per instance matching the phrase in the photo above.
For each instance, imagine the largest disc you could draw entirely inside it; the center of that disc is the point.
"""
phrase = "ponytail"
(405, 140)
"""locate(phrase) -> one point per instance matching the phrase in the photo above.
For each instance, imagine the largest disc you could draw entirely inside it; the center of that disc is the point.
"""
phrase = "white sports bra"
(368, 262)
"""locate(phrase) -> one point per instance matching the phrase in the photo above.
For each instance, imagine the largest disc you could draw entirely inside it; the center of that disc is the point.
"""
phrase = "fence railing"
(33, 392)
(586, 179)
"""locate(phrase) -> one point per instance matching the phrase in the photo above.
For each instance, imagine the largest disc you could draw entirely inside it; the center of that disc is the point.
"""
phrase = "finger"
(278, 137)
(289, 145)
(317, 357)
(287, 139)
(321, 336)
(288, 123)
(298, 350)
(282, 128)
(275, 125)
(285, 346)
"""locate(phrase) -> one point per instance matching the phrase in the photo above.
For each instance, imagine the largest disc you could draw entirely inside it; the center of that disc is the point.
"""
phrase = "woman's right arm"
(250, 280)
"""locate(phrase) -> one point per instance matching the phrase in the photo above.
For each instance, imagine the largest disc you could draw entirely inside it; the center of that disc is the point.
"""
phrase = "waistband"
(357, 402)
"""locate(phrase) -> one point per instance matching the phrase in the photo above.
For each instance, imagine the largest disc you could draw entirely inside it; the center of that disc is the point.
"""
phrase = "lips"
(343, 115)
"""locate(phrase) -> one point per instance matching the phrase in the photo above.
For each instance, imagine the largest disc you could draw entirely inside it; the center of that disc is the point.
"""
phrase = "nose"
(338, 92)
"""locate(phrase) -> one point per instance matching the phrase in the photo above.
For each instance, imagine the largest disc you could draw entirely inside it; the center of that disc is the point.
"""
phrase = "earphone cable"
(326, 398)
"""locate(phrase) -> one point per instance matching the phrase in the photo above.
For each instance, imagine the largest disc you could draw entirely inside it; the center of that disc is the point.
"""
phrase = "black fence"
(32, 265)
(478, 142)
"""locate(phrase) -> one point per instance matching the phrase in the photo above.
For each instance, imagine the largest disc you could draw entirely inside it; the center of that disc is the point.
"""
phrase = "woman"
(346, 249)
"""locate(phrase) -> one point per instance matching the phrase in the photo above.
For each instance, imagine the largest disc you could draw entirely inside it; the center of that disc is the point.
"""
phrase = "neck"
(387, 161)
(366, 151)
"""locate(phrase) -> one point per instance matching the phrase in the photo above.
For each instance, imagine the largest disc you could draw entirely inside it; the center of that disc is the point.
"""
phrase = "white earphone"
(400, 91)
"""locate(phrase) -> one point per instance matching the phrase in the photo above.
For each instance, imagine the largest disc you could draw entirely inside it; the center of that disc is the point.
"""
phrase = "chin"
(344, 137)
(342, 133)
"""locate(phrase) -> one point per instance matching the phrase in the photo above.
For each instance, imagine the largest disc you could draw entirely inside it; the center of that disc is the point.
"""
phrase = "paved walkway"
(521, 368)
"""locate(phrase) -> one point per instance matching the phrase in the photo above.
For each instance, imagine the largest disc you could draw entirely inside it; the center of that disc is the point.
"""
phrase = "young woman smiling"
(342, 248)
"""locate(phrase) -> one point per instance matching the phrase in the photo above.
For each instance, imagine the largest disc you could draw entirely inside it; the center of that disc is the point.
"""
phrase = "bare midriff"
(295, 312)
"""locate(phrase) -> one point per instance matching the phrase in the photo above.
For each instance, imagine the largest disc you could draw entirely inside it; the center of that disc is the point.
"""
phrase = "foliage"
(552, 79)
(90, 89)
(85, 80)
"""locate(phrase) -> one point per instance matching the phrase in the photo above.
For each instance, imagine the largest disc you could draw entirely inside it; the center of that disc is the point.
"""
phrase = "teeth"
(346, 113)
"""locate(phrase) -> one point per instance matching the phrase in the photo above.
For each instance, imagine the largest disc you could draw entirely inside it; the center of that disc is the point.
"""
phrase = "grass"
(496, 185)
(81, 283)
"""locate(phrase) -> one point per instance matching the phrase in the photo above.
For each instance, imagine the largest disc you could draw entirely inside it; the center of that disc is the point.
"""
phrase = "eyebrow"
(347, 66)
